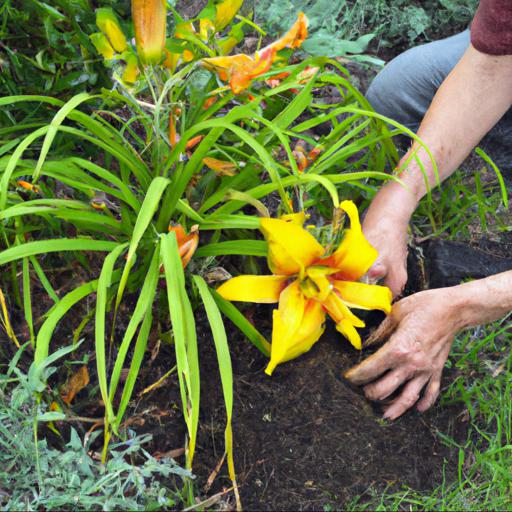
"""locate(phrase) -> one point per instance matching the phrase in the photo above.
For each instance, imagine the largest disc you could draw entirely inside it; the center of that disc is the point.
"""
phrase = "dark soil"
(303, 437)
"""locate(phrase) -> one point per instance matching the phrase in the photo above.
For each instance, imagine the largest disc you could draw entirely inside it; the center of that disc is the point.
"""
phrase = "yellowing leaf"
(131, 71)
(221, 167)
(102, 45)
(75, 384)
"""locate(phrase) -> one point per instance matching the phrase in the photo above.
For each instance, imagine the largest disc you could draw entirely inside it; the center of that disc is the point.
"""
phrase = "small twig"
(208, 502)
(84, 419)
(158, 383)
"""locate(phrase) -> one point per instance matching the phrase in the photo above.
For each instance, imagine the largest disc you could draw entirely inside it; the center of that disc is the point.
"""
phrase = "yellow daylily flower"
(308, 285)
(149, 19)
(241, 69)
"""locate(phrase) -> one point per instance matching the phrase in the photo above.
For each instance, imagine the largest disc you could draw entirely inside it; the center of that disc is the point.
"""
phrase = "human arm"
(470, 101)
(421, 329)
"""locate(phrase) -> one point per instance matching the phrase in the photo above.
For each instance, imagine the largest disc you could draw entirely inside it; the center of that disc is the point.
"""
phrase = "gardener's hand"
(385, 225)
(421, 329)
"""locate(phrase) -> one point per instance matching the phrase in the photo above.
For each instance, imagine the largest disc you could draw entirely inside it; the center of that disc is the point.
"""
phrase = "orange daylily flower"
(187, 244)
(28, 186)
(241, 69)
(208, 102)
(307, 285)
(300, 157)
(194, 141)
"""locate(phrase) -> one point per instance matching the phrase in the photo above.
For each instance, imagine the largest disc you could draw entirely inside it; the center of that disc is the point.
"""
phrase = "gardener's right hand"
(385, 225)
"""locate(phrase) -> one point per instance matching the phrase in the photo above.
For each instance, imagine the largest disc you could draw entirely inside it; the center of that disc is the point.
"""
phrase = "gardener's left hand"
(421, 329)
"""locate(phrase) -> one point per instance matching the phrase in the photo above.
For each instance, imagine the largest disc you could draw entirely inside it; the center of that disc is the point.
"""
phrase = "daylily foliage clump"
(308, 284)
(169, 174)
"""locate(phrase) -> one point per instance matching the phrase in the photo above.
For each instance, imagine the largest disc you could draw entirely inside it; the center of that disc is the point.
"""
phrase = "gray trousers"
(404, 89)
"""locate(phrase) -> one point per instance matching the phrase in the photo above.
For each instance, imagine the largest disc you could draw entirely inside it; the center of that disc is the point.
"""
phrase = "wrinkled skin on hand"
(421, 329)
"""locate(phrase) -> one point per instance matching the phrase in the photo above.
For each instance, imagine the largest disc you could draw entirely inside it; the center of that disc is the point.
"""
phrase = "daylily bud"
(225, 12)
(149, 19)
(102, 45)
(131, 71)
(107, 22)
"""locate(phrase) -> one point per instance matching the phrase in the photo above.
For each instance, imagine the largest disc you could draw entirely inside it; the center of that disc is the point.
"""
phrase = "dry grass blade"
(6, 322)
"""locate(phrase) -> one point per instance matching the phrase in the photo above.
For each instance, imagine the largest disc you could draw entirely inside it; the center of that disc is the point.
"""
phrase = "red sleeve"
(491, 30)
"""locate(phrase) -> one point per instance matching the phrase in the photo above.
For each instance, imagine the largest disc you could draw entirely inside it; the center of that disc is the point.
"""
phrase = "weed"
(35, 475)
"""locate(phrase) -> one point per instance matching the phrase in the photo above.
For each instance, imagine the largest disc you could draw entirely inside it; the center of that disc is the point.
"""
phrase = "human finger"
(386, 385)
(396, 279)
(407, 398)
(383, 331)
(377, 272)
(431, 393)
(371, 368)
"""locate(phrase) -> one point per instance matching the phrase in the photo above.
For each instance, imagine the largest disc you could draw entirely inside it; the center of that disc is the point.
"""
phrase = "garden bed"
(303, 437)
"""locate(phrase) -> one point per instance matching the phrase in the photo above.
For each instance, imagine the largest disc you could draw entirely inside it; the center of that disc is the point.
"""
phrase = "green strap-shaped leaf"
(241, 247)
(138, 355)
(142, 307)
(224, 360)
(55, 245)
(55, 314)
(232, 312)
(60, 116)
(13, 162)
(146, 213)
(185, 338)
(104, 283)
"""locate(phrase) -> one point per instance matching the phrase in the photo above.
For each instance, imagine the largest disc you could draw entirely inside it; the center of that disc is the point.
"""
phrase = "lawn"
(142, 167)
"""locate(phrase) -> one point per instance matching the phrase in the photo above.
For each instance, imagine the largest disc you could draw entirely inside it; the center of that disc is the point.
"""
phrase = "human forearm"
(484, 300)
(468, 104)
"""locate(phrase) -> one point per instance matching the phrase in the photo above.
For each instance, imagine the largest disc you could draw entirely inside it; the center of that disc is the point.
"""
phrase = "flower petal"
(260, 289)
(339, 311)
(237, 69)
(295, 36)
(364, 296)
(295, 218)
(241, 77)
(298, 324)
(290, 247)
(220, 167)
(355, 255)
(348, 330)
